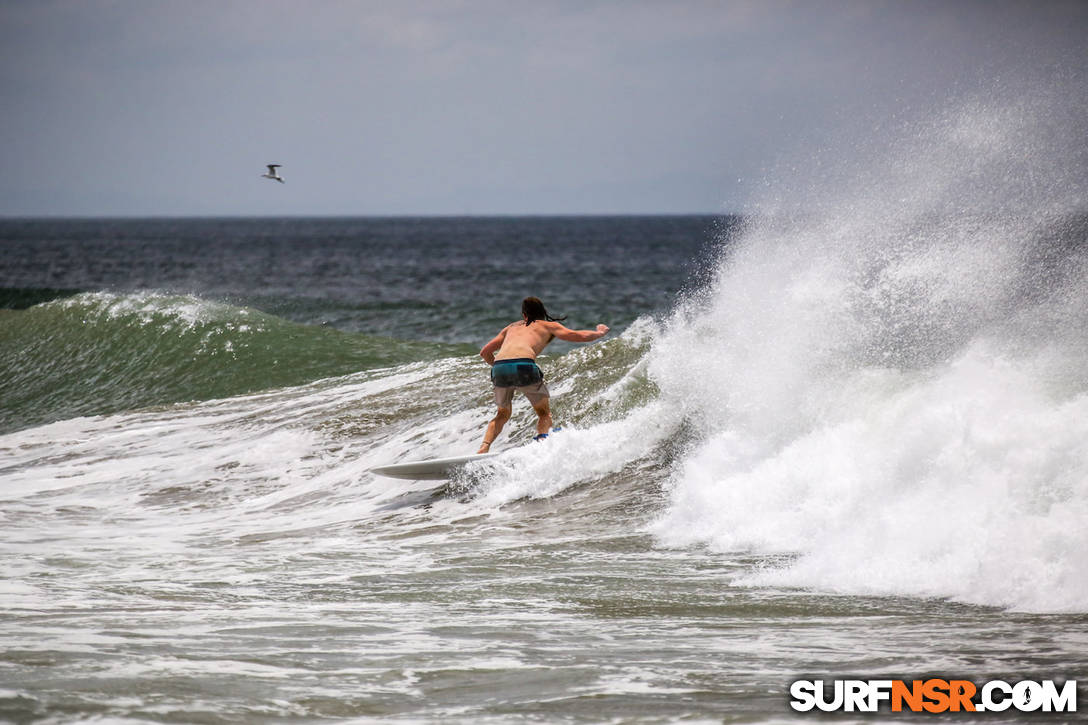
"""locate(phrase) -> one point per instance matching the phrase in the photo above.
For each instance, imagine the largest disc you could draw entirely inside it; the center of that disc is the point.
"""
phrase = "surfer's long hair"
(532, 309)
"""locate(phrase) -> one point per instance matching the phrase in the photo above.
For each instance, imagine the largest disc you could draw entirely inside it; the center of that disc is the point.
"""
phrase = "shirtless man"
(512, 357)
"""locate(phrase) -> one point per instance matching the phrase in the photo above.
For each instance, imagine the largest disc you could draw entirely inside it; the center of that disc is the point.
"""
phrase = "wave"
(100, 352)
(280, 464)
(891, 390)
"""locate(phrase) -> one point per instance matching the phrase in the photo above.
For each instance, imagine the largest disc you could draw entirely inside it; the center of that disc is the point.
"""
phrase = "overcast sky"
(172, 107)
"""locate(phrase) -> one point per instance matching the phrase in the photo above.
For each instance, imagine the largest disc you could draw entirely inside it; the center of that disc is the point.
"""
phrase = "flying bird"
(272, 173)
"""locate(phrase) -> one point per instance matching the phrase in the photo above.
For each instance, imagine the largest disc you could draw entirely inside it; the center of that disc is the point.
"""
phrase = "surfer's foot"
(484, 448)
(542, 436)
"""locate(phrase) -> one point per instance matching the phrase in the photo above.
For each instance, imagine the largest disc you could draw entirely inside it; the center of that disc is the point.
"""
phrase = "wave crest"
(102, 352)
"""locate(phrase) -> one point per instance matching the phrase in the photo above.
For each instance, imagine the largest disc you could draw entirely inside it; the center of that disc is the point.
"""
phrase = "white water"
(893, 389)
(146, 486)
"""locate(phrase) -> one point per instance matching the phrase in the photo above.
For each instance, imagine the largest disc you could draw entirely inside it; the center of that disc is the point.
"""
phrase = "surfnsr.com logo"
(933, 695)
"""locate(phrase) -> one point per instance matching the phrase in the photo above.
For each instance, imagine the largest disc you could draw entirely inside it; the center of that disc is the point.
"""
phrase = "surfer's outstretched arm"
(565, 333)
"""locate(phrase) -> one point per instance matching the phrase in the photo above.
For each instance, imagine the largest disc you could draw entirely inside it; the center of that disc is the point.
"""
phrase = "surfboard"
(434, 469)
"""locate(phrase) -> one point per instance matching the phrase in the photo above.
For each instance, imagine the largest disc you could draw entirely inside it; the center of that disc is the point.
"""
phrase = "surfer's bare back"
(512, 357)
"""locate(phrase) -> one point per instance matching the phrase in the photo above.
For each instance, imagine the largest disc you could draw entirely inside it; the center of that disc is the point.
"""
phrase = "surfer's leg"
(543, 409)
(494, 427)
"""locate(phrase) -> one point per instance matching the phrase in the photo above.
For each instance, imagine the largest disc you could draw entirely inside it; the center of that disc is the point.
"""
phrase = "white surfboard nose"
(435, 469)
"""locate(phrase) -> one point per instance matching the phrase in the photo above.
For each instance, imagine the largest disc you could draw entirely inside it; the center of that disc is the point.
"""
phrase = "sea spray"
(891, 387)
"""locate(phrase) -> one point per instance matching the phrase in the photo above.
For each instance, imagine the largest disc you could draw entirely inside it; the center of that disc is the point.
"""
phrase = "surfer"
(512, 357)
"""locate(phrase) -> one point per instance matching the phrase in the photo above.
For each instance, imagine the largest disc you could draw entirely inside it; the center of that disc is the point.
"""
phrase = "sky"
(418, 107)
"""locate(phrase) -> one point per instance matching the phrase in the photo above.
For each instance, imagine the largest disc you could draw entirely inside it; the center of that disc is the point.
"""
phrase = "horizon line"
(464, 215)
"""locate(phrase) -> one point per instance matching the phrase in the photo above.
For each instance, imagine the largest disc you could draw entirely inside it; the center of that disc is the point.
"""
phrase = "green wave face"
(100, 353)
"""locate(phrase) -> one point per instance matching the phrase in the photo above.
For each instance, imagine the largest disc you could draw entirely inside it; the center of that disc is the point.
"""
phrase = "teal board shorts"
(521, 374)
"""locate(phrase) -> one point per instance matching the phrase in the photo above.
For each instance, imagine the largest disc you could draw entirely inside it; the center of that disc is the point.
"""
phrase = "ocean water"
(844, 434)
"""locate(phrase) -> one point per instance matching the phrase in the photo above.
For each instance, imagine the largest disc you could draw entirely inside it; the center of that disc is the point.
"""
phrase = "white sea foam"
(160, 484)
(182, 312)
(571, 457)
(892, 390)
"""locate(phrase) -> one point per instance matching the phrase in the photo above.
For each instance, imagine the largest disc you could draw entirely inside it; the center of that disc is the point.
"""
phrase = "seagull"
(272, 173)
